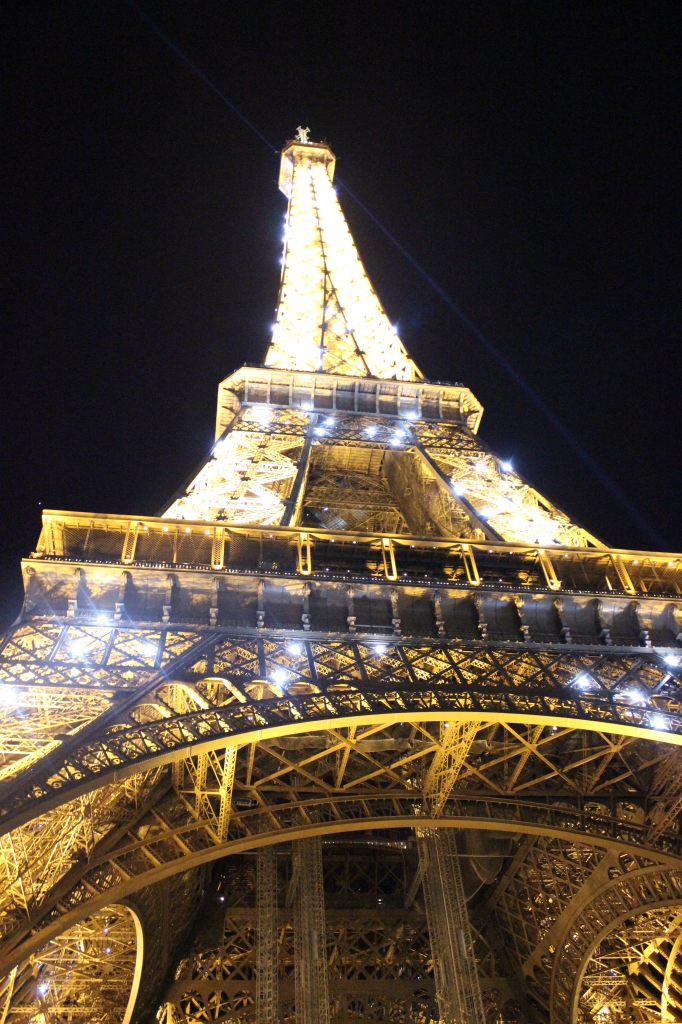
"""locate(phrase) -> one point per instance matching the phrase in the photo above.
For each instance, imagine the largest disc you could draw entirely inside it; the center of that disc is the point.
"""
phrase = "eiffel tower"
(360, 728)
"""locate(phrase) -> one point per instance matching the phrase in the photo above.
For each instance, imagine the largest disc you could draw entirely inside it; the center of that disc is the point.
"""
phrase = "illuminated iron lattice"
(86, 974)
(356, 629)
(329, 317)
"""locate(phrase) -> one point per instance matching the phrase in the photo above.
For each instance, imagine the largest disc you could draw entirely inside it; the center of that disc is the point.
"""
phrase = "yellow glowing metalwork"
(516, 512)
(329, 317)
(472, 654)
(244, 481)
(91, 972)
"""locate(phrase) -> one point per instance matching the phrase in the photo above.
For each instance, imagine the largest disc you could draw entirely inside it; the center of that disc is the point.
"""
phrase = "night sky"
(526, 155)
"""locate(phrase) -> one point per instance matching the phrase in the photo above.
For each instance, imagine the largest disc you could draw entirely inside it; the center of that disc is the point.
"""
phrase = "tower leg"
(457, 987)
(310, 945)
(266, 956)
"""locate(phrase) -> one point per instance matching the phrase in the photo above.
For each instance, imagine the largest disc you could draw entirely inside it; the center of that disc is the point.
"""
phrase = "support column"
(457, 986)
(310, 940)
(226, 785)
(267, 998)
(179, 701)
(295, 499)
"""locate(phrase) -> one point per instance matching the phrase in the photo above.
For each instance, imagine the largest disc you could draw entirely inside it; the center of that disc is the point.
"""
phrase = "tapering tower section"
(329, 317)
(338, 429)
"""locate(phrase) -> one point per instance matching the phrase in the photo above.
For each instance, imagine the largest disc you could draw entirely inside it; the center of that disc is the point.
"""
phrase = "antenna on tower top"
(302, 134)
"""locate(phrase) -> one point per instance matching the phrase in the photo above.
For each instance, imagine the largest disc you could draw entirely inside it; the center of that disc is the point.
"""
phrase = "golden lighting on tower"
(355, 618)
(329, 317)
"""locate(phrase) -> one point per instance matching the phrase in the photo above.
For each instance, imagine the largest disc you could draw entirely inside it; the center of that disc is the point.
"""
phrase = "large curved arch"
(618, 690)
(174, 837)
(624, 897)
(144, 743)
(92, 965)
(126, 890)
(137, 974)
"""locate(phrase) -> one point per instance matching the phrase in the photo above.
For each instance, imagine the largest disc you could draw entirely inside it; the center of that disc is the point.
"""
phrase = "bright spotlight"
(635, 696)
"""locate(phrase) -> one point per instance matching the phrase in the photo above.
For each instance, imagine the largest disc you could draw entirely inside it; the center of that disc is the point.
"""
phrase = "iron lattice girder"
(376, 950)
(645, 953)
(345, 681)
(255, 476)
(85, 974)
(168, 837)
(328, 315)
(267, 997)
(179, 844)
(562, 905)
(571, 916)
(457, 984)
(618, 901)
(310, 946)
(108, 963)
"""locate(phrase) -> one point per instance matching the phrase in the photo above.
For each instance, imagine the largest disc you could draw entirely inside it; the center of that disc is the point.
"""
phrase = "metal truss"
(457, 985)
(593, 931)
(549, 779)
(328, 317)
(250, 473)
(447, 763)
(378, 954)
(621, 951)
(350, 491)
(667, 785)
(490, 489)
(43, 859)
(133, 831)
(312, 988)
(443, 478)
(88, 973)
(270, 806)
(267, 994)
(634, 970)
(238, 686)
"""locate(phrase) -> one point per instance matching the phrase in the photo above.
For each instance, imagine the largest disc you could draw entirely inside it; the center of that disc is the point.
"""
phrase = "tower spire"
(329, 317)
